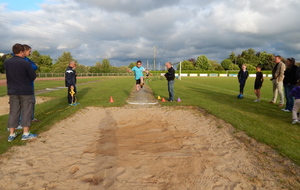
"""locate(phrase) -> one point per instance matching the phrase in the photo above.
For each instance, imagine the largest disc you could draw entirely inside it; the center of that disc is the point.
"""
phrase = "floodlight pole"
(179, 77)
(154, 61)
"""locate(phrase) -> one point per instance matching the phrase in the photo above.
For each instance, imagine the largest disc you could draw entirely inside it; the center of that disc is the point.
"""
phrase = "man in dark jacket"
(19, 75)
(70, 79)
(170, 75)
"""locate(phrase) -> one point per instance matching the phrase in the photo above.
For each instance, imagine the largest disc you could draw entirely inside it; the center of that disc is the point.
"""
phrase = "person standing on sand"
(170, 76)
(19, 75)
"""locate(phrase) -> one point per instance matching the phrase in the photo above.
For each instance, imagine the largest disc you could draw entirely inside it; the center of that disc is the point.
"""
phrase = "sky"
(124, 31)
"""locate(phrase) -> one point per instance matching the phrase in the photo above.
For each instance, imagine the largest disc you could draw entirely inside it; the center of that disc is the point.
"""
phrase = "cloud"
(125, 31)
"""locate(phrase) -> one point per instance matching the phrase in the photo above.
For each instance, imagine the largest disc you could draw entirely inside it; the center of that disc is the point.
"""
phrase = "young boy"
(258, 83)
(138, 73)
(296, 93)
(242, 77)
(148, 74)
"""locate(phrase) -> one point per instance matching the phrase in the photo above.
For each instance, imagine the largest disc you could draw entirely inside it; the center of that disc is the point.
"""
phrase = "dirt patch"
(4, 106)
(144, 148)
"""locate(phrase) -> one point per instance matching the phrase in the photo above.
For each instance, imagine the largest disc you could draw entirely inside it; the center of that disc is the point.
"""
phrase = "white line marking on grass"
(136, 103)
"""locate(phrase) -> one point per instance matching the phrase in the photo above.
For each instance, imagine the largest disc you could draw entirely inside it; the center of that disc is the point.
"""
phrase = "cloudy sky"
(124, 31)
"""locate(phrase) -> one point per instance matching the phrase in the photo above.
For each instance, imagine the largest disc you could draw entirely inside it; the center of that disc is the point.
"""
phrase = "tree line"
(249, 57)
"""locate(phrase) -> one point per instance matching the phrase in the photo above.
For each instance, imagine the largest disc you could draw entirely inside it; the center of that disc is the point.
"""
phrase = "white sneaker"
(19, 127)
(257, 100)
(295, 121)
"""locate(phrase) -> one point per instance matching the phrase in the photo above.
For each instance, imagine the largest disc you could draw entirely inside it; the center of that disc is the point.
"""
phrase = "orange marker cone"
(163, 100)
(178, 100)
(111, 100)
(158, 97)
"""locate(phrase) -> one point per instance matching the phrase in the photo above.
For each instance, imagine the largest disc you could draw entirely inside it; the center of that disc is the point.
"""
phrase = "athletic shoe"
(295, 121)
(18, 128)
(257, 100)
(27, 137)
(271, 102)
(280, 105)
(35, 120)
(285, 110)
(11, 138)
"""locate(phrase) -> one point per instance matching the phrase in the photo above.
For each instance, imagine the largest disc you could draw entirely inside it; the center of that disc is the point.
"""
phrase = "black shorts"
(138, 81)
(257, 85)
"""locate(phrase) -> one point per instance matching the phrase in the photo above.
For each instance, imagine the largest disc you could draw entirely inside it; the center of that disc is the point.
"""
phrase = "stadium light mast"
(154, 60)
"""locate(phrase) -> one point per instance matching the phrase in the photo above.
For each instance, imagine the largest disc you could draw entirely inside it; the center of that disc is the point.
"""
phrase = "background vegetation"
(233, 62)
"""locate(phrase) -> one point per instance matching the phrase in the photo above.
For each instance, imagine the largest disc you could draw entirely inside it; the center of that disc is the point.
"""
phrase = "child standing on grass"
(258, 83)
(242, 77)
(295, 92)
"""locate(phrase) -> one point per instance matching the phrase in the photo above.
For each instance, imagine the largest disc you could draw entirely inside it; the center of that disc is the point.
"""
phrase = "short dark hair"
(17, 48)
(291, 59)
(278, 57)
(26, 47)
(258, 66)
(139, 61)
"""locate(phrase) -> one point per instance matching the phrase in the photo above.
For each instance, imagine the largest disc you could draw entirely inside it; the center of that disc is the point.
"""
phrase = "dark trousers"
(171, 89)
(71, 99)
(242, 85)
(289, 99)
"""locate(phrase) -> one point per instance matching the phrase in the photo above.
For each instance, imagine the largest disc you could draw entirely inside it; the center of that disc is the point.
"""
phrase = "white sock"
(26, 133)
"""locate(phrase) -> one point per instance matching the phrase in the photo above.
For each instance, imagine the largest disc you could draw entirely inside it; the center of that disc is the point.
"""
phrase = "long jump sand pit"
(148, 148)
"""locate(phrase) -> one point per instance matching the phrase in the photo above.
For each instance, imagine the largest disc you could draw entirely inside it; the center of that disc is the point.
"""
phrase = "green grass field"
(218, 96)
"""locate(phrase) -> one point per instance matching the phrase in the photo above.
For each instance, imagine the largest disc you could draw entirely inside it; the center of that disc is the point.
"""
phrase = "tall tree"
(186, 65)
(202, 63)
(62, 62)
(106, 66)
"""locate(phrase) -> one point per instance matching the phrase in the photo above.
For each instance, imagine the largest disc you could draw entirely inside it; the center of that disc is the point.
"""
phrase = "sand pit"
(144, 148)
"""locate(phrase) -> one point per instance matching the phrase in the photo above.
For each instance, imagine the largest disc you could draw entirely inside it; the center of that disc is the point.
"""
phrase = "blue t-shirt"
(138, 72)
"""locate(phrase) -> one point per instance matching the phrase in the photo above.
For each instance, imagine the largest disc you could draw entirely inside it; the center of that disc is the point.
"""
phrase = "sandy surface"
(145, 148)
(4, 106)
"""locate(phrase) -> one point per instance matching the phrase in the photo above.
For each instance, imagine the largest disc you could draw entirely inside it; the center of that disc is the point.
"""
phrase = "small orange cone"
(178, 100)
(111, 100)
(163, 100)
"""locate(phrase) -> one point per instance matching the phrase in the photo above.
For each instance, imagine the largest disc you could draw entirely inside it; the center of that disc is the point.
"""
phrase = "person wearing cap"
(289, 83)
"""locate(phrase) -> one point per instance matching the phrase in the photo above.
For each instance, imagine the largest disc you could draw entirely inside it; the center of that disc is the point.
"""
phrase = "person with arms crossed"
(277, 80)
(289, 83)
(35, 67)
(170, 76)
(19, 75)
